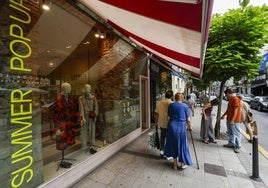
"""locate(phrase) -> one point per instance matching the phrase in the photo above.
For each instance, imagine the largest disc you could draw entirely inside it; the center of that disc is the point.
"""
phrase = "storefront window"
(47, 55)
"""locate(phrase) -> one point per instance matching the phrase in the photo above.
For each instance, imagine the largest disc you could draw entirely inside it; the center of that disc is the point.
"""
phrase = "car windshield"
(249, 95)
(265, 99)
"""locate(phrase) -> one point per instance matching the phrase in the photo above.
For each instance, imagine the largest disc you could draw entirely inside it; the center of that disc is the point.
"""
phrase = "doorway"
(144, 103)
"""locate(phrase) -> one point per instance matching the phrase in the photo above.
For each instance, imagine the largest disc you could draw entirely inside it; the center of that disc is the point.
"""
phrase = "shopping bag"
(157, 141)
(254, 128)
(153, 139)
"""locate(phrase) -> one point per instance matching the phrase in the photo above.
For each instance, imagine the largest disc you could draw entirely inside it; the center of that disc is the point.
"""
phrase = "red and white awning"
(171, 30)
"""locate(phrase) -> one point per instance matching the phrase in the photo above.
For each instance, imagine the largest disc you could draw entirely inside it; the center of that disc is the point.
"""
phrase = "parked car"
(248, 98)
(260, 103)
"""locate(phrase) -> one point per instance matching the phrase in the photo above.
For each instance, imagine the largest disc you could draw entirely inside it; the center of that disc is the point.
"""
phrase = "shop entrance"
(144, 103)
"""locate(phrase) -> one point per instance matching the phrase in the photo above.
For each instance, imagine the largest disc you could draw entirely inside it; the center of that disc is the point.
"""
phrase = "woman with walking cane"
(176, 143)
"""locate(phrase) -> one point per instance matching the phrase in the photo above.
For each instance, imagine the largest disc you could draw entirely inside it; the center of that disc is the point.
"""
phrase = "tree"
(235, 39)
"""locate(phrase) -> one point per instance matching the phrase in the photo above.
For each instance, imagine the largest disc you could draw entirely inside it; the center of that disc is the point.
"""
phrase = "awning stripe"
(176, 32)
(192, 61)
(182, 14)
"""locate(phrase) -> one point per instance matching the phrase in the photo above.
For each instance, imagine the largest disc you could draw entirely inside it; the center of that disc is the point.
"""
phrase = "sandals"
(175, 165)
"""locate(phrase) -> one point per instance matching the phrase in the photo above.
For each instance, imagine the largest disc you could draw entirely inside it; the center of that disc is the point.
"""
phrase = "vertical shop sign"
(21, 102)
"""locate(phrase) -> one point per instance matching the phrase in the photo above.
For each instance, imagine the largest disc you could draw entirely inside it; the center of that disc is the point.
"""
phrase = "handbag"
(254, 128)
(91, 114)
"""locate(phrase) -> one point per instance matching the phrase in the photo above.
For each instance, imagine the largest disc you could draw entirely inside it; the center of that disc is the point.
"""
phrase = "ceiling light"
(46, 5)
(102, 36)
(97, 35)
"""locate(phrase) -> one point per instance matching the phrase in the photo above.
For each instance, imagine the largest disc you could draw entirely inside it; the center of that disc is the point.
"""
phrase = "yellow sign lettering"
(27, 16)
(21, 178)
(14, 28)
(20, 96)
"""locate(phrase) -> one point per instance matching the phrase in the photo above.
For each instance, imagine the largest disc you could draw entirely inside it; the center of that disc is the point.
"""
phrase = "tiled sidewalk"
(139, 166)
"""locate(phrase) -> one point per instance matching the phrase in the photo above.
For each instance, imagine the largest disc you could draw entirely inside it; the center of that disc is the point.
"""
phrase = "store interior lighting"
(46, 4)
(100, 34)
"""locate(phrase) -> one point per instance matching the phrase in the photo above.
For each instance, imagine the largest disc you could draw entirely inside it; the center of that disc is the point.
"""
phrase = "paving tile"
(122, 180)
(86, 183)
(215, 169)
(102, 175)
(237, 167)
(138, 166)
(237, 182)
(190, 182)
(144, 183)
(220, 180)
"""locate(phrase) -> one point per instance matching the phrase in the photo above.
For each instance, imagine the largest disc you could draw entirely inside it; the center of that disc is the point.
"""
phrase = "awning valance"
(171, 30)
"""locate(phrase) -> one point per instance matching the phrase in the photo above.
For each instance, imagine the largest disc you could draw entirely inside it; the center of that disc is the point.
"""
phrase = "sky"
(221, 6)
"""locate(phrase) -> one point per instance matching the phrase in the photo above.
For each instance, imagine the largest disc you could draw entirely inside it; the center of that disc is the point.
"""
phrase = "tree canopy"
(234, 43)
(235, 40)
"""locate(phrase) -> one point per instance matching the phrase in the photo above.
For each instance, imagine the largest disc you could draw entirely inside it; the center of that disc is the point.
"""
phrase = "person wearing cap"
(233, 120)
(245, 109)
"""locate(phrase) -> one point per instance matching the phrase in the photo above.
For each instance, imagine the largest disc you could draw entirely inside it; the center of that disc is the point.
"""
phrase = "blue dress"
(176, 143)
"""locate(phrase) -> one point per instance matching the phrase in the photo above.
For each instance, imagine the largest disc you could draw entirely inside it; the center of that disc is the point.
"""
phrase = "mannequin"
(66, 115)
(88, 103)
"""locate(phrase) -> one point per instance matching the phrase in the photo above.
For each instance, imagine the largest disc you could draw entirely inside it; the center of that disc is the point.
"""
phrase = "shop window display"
(41, 53)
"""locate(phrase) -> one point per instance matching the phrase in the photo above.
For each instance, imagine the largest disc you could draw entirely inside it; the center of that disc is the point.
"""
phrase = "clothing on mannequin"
(88, 104)
(66, 114)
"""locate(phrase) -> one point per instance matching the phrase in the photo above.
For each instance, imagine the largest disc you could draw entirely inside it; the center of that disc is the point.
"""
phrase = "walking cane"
(194, 149)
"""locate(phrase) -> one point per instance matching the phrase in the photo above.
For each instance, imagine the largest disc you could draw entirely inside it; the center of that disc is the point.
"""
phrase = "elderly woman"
(176, 143)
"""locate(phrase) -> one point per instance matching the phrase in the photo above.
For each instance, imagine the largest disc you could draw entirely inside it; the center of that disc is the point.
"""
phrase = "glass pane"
(42, 51)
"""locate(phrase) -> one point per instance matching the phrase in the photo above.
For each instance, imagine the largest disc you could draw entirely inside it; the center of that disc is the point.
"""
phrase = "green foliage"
(235, 39)
(243, 3)
(234, 43)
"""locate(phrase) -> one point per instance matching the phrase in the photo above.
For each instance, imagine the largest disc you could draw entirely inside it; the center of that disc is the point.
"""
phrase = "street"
(261, 119)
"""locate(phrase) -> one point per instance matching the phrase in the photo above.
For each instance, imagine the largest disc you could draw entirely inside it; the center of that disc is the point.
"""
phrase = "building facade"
(41, 50)
(52, 56)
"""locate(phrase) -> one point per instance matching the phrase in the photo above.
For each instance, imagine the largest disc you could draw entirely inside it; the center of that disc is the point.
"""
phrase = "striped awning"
(173, 31)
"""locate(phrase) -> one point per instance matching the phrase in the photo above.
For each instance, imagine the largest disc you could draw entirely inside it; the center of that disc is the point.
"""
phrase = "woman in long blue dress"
(176, 143)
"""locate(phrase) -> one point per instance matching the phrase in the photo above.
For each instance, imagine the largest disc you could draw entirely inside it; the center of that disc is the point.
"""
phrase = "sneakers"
(169, 158)
(162, 155)
(228, 146)
(237, 150)
(184, 166)
(212, 141)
